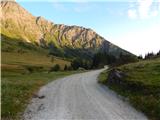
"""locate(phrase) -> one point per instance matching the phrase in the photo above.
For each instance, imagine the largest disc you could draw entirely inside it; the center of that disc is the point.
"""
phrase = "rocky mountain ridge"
(16, 22)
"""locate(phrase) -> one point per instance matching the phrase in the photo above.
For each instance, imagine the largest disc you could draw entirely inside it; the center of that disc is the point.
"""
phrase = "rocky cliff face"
(18, 23)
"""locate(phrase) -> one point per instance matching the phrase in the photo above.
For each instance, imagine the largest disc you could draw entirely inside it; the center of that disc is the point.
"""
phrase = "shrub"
(55, 68)
(65, 67)
(70, 68)
(32, 69)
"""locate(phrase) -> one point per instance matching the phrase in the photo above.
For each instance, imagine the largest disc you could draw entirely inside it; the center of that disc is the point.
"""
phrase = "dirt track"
(79, 97)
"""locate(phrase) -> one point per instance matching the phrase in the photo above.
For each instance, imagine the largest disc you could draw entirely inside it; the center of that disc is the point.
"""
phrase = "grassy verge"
(141, 86)
(18, 89)
(102, 77)
(24, 70)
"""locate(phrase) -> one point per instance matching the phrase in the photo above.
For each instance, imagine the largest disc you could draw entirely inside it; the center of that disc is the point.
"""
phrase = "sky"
(132, 25)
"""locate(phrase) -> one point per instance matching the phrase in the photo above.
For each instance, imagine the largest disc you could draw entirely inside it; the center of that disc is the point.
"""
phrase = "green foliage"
(31, 68)
(102, 77)
(65, 67)
(124, 59)
(17, 44)
(77, 63)
(146, 71)
(141, 85)
(152, 55)
(100, 59)
(24, 70)
(55, 68)
(72, 53)
(54, 50)
(18, 89)
(22, 54)
(70, 68)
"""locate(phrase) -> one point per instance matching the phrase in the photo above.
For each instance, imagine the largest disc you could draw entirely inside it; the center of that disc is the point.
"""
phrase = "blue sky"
(132, 25)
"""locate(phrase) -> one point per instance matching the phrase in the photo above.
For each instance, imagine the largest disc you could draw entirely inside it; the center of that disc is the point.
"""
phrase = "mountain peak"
(8, 4)
(19, 23)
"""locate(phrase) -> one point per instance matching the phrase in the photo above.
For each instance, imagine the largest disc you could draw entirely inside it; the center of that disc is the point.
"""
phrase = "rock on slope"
(18, 23)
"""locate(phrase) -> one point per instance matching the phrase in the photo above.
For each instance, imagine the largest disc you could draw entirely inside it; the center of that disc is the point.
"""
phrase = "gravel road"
(79, 97)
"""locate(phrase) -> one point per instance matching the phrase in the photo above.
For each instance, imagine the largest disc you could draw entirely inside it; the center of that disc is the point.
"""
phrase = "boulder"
(115, 76)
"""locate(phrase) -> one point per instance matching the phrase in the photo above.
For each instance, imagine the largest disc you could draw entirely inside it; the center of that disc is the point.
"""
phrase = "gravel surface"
(79, 97)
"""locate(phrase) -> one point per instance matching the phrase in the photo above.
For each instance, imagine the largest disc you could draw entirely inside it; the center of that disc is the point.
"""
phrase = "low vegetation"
(103, 77)
(140, 85)
(18, 88)
(81, 63)
(27, 57)
(25, 68)
(55, 68)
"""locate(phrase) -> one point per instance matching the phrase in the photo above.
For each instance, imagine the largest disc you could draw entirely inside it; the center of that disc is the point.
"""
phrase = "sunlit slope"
(61, 40)
(20, 55)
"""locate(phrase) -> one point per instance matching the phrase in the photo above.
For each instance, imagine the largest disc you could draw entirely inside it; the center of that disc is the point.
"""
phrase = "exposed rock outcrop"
(115, 76)
(16, 22)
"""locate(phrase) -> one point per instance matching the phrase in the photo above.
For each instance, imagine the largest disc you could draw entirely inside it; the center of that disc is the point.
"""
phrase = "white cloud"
(144, 9)
(132, 14)
(159, 4)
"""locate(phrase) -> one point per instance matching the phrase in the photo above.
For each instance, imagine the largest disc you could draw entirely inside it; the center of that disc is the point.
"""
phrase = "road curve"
(79, 97)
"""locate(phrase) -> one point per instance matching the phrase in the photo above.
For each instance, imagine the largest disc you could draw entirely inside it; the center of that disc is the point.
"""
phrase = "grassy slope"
(18, 84)
(16, 52)
(146, 76)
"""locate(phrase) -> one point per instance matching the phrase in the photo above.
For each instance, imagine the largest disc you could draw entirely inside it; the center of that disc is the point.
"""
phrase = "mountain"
(61, 40)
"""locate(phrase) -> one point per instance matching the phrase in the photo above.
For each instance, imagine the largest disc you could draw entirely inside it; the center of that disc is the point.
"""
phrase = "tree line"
(150, 55)
(99, 60)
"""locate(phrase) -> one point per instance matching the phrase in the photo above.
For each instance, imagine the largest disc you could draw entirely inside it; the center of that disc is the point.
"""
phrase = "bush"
(55, 68)
(70, 68)
(65, 67)
(32, 69)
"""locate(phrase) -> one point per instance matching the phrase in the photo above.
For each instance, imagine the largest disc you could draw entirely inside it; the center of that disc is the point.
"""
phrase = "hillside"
(21, 56)
(24, 70)
(139, 83)
(61, 40)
